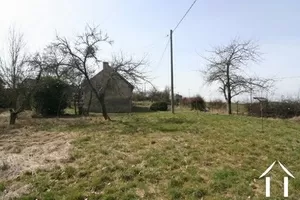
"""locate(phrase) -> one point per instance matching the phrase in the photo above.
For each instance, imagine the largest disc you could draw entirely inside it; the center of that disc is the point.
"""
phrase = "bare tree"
(75, 79)
(225, 66)
(153, 94)
(82, 55)
(132, 70)
(157, 95)
(51, 63)
(13, 71)
(37, 65)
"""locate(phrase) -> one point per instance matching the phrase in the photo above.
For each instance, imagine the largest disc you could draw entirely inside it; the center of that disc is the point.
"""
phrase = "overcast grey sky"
(140, 27)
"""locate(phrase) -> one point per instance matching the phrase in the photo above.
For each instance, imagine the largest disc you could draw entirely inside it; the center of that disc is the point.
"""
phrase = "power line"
(147, 49)
(291, 77)
(149, 46)
(163, 54)
(184, 15)
(171, 55)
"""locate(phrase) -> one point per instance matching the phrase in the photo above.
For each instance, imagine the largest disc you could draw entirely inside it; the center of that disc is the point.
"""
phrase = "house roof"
(105, 67)
(124, 79)
(260, 99)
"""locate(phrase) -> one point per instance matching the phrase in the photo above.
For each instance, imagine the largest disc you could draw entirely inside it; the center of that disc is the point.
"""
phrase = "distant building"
(178, 99)
(118, 91)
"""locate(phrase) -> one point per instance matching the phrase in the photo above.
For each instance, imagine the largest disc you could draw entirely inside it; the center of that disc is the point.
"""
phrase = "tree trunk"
(104, 111)
(100, 98)
(59, 106)
(228, 91)
(75, 107)
(229, 105)
(80, 103)
(103, 106)
(13, 117)
(80, 110)
(90, 102)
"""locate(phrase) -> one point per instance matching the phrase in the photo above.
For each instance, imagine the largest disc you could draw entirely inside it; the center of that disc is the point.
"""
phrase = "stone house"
(178, 99)
(118, 91)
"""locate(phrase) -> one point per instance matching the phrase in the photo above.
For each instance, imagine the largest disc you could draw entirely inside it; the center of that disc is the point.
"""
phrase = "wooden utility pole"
(251, 93)
(172, 82)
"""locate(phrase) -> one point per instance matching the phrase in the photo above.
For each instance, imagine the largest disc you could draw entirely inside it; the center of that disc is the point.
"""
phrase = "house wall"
(113, 105)
(118, 93)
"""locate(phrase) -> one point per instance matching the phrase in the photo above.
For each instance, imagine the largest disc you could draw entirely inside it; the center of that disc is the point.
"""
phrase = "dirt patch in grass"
(16, 191)
(24, 151)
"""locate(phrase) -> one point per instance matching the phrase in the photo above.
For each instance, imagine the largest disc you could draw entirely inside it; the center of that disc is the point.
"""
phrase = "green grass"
(2, 187)
(165, 156)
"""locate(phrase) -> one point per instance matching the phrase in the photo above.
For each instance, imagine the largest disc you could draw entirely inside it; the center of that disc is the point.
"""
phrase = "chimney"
(105, 66)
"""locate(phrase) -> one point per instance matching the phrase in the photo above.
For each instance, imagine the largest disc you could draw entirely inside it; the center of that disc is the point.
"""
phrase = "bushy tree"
(198, 103)
(51, 96)
(3, 97)
(195, 103)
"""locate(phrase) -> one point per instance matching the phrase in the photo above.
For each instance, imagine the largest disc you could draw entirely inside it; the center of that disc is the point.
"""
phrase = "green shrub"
(5, 98)
(159, 106)
(195, 103)
(2, 187)
(3, 95)
(283, 109)
(50, 97)
(198, 103)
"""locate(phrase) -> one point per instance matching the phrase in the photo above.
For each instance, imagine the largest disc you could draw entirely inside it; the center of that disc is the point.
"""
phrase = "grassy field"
(148, 156)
